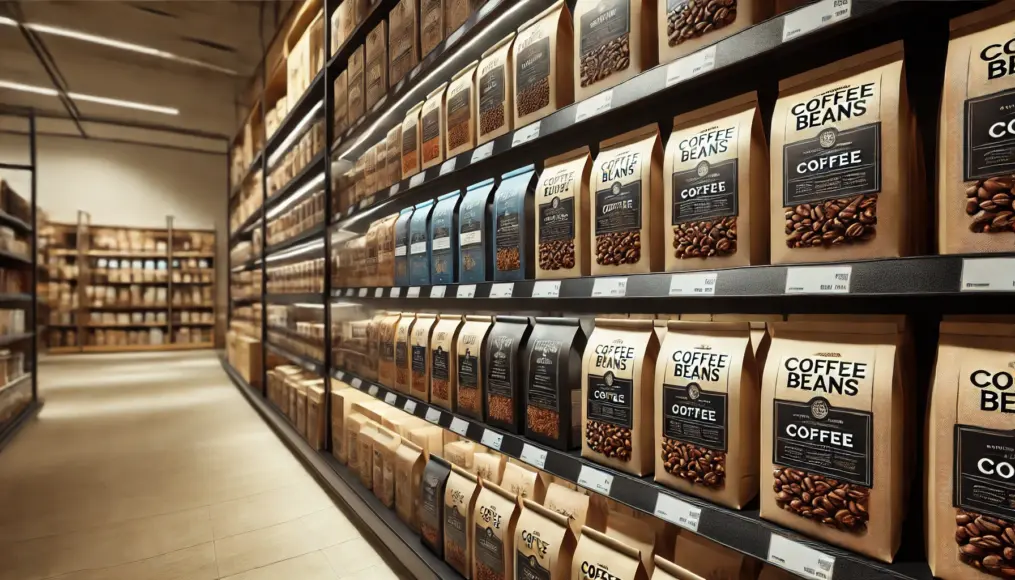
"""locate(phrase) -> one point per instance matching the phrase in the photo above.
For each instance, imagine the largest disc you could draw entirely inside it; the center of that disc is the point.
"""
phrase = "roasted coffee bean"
(697, 465)
(468, 399)
(501, 408)
(430, 533)
(556, 255)
(491, 119)
(989, 202)
(986, 543)
(612, 57)
(845, 220)
(533, 98)
(608, 439)
(543, 421)
(455, 555)
(431, 150)
(836, 504)
(705, 239)
(697, 18)
(618, 248)
(439, 388)
(484, 572)
(508, 259)
(458, 135)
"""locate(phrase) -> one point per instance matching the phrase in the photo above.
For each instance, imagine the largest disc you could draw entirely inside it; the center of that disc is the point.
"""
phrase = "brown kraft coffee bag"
(496, 515)
(600, 556)
(562, 216)
(614, 40)
(541, 64)
(544, 543)
(422, 330)
(443, 360)
(694, 24)
(459, 507)
(409, 463)
(403, 352)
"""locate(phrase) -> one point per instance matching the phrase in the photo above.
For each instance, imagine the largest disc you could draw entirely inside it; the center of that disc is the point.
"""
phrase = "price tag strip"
(988, 275)
(609, 288)
(362, 292)
(502, 290)
(433, 415)
(546, 289)
(417, 179)
(595, 480)
(378, 292)
(593, 106)
(396, 292)
(525, 134)
(437, 291)
(356, 383)
(459, 426)
(800, 559)
(693, 284)
(690, 66)
(817, 15)
(391, 398)
(393, 190)
(818, 279)
(677, 512)
(466, 291)
(534, 456)
(340, 375)
(492, 439)
(448, 166)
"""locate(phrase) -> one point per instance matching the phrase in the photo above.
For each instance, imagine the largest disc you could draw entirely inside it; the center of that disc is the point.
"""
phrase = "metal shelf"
(15, 223)
(311, 96)
(315, 167)
(306, 236)
(307, 363)
(295, 297)
(244, 228)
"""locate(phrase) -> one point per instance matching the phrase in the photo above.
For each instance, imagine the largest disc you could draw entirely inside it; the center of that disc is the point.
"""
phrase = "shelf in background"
(310, 234)
(358, 36)
(128, 307)
(17, 224)
(14, 338)
(246, 299)
(119, 283)
(307, 363)
(8, 298)
(192, 306)
(16, 382)
(253, 167)
(146, 347)
(306, 175)
(127, 254)
(246, 265)
(10, 257)
(127, 325)
(63, 349)
(194, 254)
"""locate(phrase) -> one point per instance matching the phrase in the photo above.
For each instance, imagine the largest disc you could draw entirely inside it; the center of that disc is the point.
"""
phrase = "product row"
(247, 201)
(302, 216)
(127, 318)
(245, 284)
(99, 296)
(293, 161)
(14, 281)
(193, 296)
(12, 321)
(306, 276)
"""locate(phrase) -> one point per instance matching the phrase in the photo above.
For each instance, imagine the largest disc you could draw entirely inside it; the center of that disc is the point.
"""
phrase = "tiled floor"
(154, 467)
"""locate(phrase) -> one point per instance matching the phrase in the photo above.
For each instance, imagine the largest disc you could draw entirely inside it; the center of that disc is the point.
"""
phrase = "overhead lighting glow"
(298, 251)
(296, 132)
(49, 92)
(297, 195)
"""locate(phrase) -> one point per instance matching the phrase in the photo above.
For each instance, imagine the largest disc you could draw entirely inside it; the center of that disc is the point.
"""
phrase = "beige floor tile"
(312, 566)
(259, 548)
(331, 526)
(352, 556)
(197, 563)
(267, 509)
(375, 572)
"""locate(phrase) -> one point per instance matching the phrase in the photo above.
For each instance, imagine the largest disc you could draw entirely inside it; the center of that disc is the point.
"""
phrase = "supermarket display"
(536, 275)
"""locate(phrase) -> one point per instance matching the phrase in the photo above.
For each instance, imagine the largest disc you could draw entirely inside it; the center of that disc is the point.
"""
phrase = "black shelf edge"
(307, 363)
(15, 223)
(15, 298)
(291, 333)
(13, 338)
(743, 531)
(14, 426)
(245, 265)
(240, 233)
(400, 544)
(310, 97)
(315, 166)
(310, 234)
(295, 297)
(6, 256)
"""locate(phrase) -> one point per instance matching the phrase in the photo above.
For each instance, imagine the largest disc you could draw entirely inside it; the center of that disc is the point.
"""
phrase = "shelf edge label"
(818, 279)
(818, 15)
(693, 284)
(533, 456)
(459, 426)
(595, 480)
(690, 66)
(593, 106)
(987, 275)
(677, 512)
(492, 439)
(800, 559)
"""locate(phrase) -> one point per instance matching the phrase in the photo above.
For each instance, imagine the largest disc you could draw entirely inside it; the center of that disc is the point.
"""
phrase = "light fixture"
(298, 194)
(292, 136)
(49, 92)
(113, 43)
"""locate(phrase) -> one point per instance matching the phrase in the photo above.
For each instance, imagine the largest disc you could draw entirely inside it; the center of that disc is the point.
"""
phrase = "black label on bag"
(491, 89)
(832, 164)
(388, 350)
(455, 527)
(432, 125)
(694, 415)
(468, 364)
(500, 372)
(618, 209)
(439, 366)
(409, 140)
(508, 226)
(609, 400)
(432, 496)
(608, 21)
(984, 471)
(400, 352)
(818, 438)
(706, 192)
(989, 137)
(532, 65)
(543, 362)
(529, 568)
(489, 549)
(458, 107)
(418, 359)
(556, 220)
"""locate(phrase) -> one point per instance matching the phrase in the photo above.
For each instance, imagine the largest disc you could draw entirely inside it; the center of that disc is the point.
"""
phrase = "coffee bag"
(553, 386)
(599, 555)
(315, 416)
(386, 343)
(376, 63)
(456, 12)
(827, 397)
(443, 360)
(444, 239)
(544, 543)
(488, 466)
(704, 558)
(385, 448)
(403, 352)
(522, 481)
(688, 27)
(431, 504)
(404, 41)
(393, 148)
(422, 330)
(357, 85)
(496, 515)
(459, 506)
(431, 32)
(402, 246)
(475, 223)
(504, 373)
(342, 398)
(460, 125)
(429, 438)
(842, 162)
(614, 40)
(716, 187)
(494, 91)
(635, 532)
(365, 439)
(761, 336)
(461, 453)
(626, 192)
(470, 349)
(420, 244)
(409, 464)
(411, 158)
(340, 114)
(562, 216)
(541, 64)
(617, 376)
(431, 120)
(512, 211)
(576, 506)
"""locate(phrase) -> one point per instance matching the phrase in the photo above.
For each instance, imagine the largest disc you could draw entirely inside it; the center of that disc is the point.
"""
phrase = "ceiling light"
(90, 98)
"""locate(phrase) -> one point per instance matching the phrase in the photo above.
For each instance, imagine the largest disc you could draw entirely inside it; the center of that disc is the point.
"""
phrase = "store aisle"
(154, 467)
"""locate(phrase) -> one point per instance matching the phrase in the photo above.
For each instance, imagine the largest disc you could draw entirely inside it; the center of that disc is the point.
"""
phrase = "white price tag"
(466, 291)
(340, 375)
(818, 279)
(482, 152)
(690, 66)
(459, 426)
(410, 406)
(362, 204)
(393, 190)
(677, 512)
(414, 72)
(379, 103)
(391, 398)
(492, 439)
(502, 290)
(448, 166)
(533, 456)
(813, 17)
(433, 415)
(413, 292)
(490, 5)
(455, 36)
(417, 179)
(396, 292)
(372, 391)
(378, 292)
(988, 275)
(356, 383)
(546, 289)
(597, 481)
(693, 284)
(437, 291)
(593, 106)
(609, 288)
(526, 134)
(362, 292)
(800, 559)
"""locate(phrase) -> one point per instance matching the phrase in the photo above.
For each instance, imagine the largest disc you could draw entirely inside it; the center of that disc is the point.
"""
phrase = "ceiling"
(219, 34)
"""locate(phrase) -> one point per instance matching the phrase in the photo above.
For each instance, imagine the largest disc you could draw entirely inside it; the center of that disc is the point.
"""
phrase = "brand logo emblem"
(608, 378)
(819, 408)
(615, 188)
(693, 391)
(827, 137)
(703, 168)
(555, 203)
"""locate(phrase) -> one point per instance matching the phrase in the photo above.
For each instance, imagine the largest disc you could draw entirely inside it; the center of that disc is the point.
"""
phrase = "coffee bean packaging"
(419, 384)
(707, 393)
(688, 25)
(488, 466)
(626, 192)
(444, 239)
(342, 398)
(631, 531)
(386, 346)
(715, 188)
(495, 91)
(544, 543)
(460, 124)
(761, 337)
(429, 438)
(376, 63)
(410, 141)
(976, 166)
(459, 506)
(541, 61)
(409, 464)
(443, 360)
(562, 216)
(970, 518)
(475, 222)
(357, 86)
(365, 452)
(471, 349)
(385, 448)
(420, 243)
(553, 387)
(386, 251)
(614, 40)
(340, 114)
(505, 351)
(598, 554)
(404, 39)
(354, 424)
(512, 214)
(393, 148)
(402, 247)
(496, 515)
(617, 375)
(343, 22)
(698, 556)
(431, 27)
(832, 448)
(431, 504)
(520, 480)
(431, 120)
(841, 183)
(461, 453)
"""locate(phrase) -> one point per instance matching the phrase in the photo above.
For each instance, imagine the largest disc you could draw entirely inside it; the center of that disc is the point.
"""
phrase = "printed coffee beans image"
(705, 239)
(611, 440)
(989, 204)
(501, 408)
(430, 533)
(534, 98)
(837, 505)
(458, 135)
(846, 220)
(492, 119)
(696, 18)
(616, 248)
(986, 543)
(556, 255)
(485, 572)
(697, 465)
(455, 555)
(610, 58)
(508, 259)
(543, 421)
